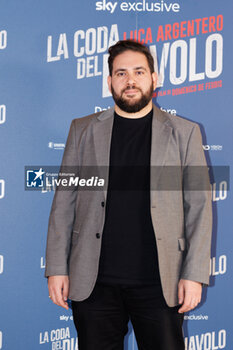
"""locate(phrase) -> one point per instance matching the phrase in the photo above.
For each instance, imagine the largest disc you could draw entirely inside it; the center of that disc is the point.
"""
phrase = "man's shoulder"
(86, 120)
(177, 123)
(93, 118)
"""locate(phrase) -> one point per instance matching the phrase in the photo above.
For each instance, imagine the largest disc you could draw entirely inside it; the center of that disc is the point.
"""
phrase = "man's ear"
(154, 79)
(109, 81)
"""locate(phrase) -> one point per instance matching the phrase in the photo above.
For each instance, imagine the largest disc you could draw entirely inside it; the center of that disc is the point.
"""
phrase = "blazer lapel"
(160, 139)
(102, 132)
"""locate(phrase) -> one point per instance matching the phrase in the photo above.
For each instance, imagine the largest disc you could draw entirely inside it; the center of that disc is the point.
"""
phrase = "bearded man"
(132, 251)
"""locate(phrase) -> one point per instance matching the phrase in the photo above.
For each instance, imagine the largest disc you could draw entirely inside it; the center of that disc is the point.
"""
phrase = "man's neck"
(136, 115)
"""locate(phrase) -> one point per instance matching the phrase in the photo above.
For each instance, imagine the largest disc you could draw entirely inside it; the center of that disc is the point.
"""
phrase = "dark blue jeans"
(102, 319)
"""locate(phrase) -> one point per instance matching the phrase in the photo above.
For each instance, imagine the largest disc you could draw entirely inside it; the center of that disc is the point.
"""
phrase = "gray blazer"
(182, 219)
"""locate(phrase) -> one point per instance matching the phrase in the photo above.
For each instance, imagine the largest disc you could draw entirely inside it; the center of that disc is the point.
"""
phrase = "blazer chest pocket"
(182, 243)
(75, 236)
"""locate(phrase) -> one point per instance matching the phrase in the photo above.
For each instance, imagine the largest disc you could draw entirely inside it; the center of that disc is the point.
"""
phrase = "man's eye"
(120, 74)
(139, 72)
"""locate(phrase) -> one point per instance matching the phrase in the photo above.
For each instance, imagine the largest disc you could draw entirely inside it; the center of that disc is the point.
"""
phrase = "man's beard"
(129, 105)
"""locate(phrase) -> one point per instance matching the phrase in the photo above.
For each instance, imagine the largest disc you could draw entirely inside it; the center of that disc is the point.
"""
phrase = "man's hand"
(58, 290)
(189, 294)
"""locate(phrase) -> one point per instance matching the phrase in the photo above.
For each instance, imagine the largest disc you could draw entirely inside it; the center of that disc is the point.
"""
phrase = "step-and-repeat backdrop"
(53, 69)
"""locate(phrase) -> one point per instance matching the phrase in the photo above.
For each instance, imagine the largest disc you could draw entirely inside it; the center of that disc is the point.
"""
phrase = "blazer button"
(102, 204)
(97, 235)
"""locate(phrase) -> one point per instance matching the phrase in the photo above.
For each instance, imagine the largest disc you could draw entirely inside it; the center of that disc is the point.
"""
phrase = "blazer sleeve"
(62, 216)
(197, 211)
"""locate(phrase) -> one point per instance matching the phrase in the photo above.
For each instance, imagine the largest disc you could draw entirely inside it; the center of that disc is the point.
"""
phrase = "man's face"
(131, 83)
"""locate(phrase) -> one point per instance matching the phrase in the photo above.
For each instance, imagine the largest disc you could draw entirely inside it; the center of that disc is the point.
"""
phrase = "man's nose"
(130, 79)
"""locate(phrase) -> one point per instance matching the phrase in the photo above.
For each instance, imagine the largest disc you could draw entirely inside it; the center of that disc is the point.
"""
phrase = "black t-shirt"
(128, 251)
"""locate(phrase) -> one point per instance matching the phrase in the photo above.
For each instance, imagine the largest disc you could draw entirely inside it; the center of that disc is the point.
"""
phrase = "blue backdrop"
(53, 68)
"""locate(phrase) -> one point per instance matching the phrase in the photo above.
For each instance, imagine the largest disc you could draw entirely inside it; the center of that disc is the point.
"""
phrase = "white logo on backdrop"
(42, 262)
(2, 114)
(55, 145)
(59, 337)
(3, 39)
(196, 317)
(100, 109)
(219, 191)
(207, 341)
(1, 264)
(169, 110)
(139, 6)
(66, 318)
(212, 147)
(2, 189)
(218, 266)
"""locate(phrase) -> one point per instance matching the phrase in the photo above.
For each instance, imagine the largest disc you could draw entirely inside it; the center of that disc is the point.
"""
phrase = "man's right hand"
(58, 290)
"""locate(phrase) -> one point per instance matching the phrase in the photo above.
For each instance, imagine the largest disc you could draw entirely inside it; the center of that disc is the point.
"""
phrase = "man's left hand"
(189, 294)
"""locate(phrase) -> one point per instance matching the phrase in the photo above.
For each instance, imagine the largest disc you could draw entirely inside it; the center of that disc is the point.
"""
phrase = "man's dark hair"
(125, 45)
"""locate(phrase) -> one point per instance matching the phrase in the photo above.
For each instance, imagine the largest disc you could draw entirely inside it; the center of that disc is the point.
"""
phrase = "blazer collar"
(160, 140)
(157, 115)
(161, 132)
